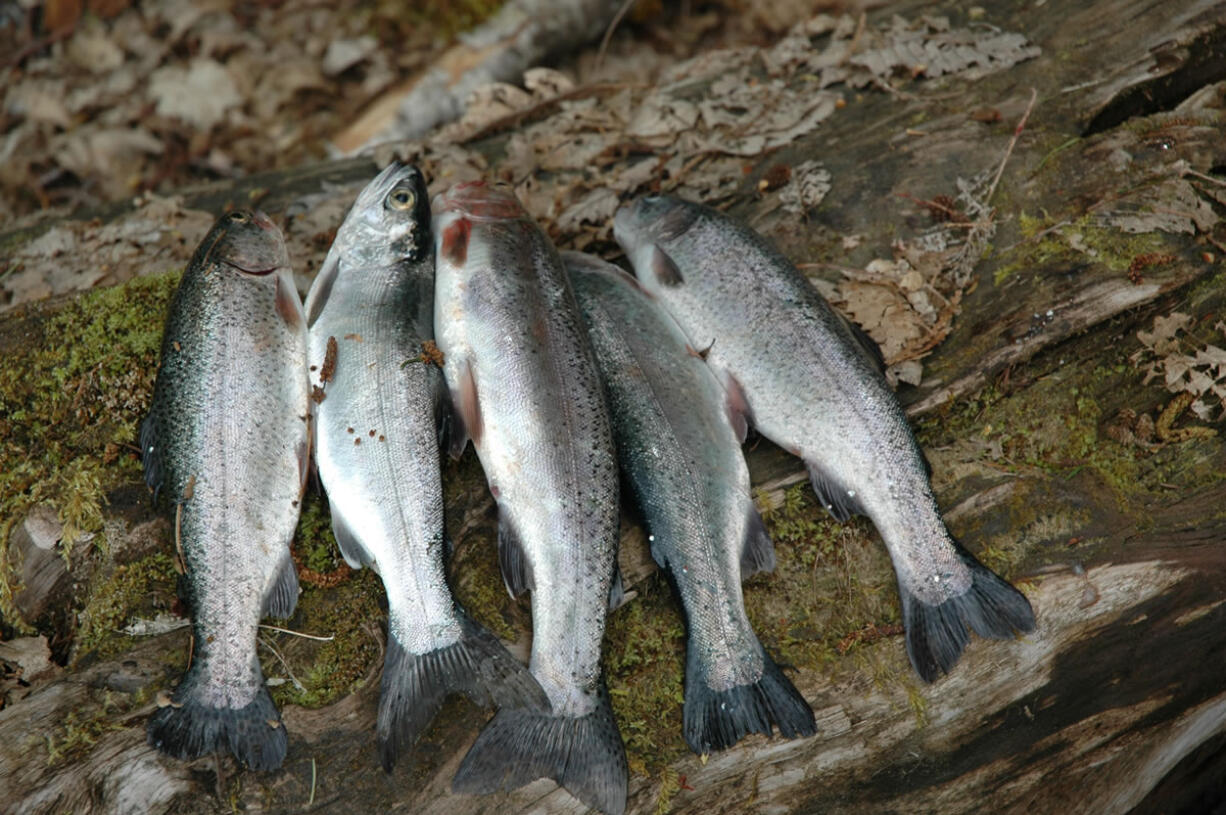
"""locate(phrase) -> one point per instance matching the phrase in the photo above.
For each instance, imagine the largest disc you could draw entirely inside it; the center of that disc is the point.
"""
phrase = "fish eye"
(401, 199)
(238, 216)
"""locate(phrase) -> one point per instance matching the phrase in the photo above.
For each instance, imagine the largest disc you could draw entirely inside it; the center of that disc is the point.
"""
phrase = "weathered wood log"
(1055, 456)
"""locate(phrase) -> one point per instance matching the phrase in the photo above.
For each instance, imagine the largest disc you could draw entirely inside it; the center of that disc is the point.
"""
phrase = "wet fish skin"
(682, 459)
(527, 393)
(376, 447)
(226, 439)
(808, 382)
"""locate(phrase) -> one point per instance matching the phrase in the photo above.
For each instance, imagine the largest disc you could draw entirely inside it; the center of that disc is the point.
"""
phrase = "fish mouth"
(482, 201)
(257, 271)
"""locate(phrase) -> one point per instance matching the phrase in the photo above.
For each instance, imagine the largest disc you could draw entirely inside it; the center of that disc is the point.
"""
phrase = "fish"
(683, 462)
(378, 407)
(526, 392)
(227, 440)
(813, 384)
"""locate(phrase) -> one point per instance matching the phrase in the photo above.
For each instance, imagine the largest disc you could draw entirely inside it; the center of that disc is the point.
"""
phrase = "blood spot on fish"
(357, 441)
(354, 337)
(348, 429)
(372, 433)
(455, 241)
(382, 437)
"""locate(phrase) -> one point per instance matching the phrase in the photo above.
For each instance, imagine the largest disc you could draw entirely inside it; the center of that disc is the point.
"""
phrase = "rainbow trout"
(682, 459)
(226, 438)
(810, 383)
(526, 391)
(380, 403)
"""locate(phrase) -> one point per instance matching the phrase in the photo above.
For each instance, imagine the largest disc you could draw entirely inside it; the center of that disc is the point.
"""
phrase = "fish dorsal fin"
(465, 412)
(839, 501)
(665, 270)
(282, 597)
(737, 407)
(758, 552)
(872, 351)
(321, 289)
(351, 547)
(516, 570)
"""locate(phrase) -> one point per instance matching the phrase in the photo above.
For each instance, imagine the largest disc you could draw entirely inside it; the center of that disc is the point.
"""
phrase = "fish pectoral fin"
(838, 500)
(288, 304)
(282, 597)
(465, 412)
(321, 289)
(736, 406)
(516, 570)
(351, 547)
(665, 270)
(758, 551)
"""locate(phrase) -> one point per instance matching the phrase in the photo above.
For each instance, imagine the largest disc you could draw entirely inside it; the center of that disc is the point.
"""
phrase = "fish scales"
(376, 432)
(683, 462)
(527, 392)
(226, 439)
(809, 382)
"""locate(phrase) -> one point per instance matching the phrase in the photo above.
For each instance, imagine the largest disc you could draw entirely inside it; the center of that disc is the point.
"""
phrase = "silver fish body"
(526, 389)
(809, 383)
(682, 459)
(227, 439)
(377, 408)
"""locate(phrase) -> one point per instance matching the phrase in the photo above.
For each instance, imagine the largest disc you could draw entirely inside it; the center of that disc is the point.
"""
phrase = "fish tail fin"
(189, 727)
(716, 720)
(937, 634)
(583, 754)
(415, 685)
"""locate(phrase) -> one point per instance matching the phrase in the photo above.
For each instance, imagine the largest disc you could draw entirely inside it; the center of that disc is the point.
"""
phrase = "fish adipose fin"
(415, 685)
(516, 570)
(837, 499)
(937, 635)
(188, 728)
(585, 755)
(716, 720)
(758, 553)
(282, 597)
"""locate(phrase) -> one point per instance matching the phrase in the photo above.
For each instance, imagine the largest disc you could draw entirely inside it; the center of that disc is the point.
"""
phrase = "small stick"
(1017, 133)
(608, 32)
(298, 633)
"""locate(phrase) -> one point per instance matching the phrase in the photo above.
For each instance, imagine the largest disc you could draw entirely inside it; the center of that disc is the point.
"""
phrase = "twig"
(311, 801)
(855, 39)
(1202, 176)
(284, 664)
(1017, 133)
(608, 32)
(298, 633)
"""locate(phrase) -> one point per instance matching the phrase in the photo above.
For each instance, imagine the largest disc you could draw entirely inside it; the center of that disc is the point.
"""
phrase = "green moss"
(70, 401)
(139, 589)
(1108, 247)
(644, 654)
(79, 731)
(313, 540)
(352, 615)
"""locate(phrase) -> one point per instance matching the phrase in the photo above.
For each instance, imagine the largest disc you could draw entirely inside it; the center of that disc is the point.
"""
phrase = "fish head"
(469, 204)
(652, 230)
(247, 241)
(389, 221)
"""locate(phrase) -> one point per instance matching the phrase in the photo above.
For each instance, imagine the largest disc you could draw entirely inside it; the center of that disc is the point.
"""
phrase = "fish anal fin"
(516, 570)
(758, 552)
(351, 547)
(282, 597)
(665, 270)
(838, 500)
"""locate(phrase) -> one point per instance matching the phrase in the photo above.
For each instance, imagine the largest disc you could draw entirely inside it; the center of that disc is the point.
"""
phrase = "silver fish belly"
(226, 439)
(682, 459)
(808, 382)
(377, 408)
(527, 392)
